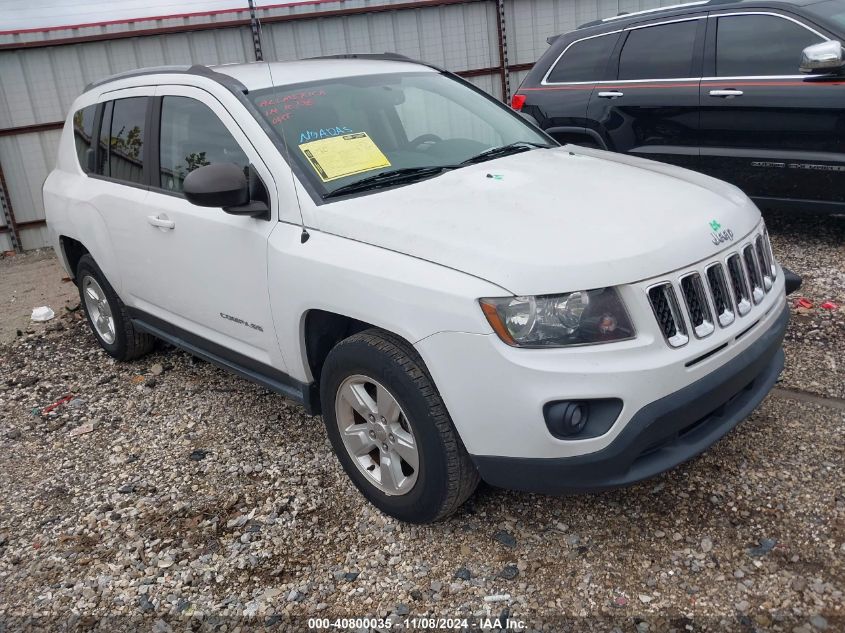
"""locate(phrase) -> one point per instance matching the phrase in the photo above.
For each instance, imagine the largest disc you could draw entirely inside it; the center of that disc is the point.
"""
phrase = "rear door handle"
(161, 222)
(726, 94)
(611, 94)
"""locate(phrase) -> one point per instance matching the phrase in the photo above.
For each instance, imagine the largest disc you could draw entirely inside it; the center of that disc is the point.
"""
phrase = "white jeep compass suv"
(460, 297)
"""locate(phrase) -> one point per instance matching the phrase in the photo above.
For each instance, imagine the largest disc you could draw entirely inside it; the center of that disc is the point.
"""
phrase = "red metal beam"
(206, 26)
(24, 225)
(29, 129)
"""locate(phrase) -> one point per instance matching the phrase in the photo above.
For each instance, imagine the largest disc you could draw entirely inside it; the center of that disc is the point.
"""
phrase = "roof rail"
(623, 15)
(197, 69)
(656, 10)
(396, 57)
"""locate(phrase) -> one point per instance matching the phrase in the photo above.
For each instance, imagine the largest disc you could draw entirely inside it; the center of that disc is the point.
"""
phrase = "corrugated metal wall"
(41, 73)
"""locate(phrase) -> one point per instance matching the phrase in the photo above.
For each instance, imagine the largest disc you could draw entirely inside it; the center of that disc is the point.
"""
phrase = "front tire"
(391, 431)
(107, 316)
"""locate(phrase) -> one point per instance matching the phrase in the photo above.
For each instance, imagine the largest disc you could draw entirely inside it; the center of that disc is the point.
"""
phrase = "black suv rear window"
(659, 52)
(583, 60)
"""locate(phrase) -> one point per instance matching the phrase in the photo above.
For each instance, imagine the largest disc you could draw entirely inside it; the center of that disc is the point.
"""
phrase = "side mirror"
(225, 185)
(825, 57)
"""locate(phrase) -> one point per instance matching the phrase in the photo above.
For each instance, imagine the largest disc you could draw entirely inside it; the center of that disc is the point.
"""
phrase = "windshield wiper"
(389, 178)
(504, 150)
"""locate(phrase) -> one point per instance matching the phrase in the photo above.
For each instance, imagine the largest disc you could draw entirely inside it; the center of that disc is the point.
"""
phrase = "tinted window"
(752, 45)
(122, 140)
(659, 52)
(584, 60)
(192, 136)
(83, 133)
(105, 133)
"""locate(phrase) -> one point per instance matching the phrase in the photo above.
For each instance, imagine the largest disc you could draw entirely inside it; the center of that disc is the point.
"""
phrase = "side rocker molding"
(303, 393)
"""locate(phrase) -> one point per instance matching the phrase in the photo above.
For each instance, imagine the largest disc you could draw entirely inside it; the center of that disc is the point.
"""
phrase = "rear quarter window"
(83, 136)
(583, 60)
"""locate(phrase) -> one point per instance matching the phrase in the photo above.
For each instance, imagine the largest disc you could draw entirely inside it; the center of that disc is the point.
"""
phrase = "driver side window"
(424, 112)
(760, 45)
(192, 136)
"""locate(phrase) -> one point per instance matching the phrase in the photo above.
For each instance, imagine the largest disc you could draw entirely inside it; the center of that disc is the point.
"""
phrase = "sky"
(28, 14)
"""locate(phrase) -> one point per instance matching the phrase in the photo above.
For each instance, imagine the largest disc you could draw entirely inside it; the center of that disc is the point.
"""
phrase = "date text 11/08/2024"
(419, 623)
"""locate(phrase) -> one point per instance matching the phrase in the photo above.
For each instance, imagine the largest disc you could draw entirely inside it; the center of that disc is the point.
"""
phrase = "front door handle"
(726, 94)
(160, 222)
(611, 94)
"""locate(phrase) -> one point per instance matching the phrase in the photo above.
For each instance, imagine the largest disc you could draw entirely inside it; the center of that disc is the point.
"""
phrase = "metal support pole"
(9, 214)
(255, 25)
(503, 52)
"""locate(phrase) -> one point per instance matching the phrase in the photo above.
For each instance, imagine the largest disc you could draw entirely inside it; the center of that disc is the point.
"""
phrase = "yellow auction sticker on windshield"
(346, 155)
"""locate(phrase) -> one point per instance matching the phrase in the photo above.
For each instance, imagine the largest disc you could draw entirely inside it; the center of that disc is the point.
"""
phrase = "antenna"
(304, 235)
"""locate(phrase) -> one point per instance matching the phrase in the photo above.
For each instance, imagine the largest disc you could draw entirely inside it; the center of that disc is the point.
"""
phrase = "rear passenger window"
(192, 136)
(583, 60)
(120, 153)
(659, 52)
(759, 45)
(83, 133)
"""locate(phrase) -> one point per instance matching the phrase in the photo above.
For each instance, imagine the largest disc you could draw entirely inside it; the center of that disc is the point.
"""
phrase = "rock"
(402, 609)
(645, 599)
(766, 545)
(165, 562)
(819, 622)
(126, 489)
(82, 429)
(145, 604)
(351, 576)
(743, 606)
(156, 370)
(659, 533)
(151, 382)
(706, 545)
(572, 539)
(14, 434)
(505, 538)
(198, 454)
(509, 572)
(416, 594)
(76, 403)
(436, 585)
(463, 573)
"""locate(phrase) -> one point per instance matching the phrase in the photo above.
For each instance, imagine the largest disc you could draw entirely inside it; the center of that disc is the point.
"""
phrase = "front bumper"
(660, 435)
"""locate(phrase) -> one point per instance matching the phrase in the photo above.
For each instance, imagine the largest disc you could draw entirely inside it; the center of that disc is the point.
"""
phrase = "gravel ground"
(169, 494)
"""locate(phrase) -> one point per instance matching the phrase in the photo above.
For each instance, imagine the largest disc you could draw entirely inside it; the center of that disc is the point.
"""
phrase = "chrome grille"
(770, 254)
(755, 277)
(698, 309)
(765, 262)
(742, 295)
(718, 293)
(668, 314)
(721, 297)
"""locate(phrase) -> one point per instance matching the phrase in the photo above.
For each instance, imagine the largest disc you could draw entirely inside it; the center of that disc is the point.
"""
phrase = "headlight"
(576, 318)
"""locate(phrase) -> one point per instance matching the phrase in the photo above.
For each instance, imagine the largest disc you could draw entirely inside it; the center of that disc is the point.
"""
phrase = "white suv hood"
(551, 220)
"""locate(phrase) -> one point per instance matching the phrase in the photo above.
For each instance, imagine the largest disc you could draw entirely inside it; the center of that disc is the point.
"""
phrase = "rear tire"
(107, 316)
(384, 367)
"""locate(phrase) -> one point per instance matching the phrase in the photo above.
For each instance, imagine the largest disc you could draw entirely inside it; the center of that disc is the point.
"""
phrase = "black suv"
(749, 92)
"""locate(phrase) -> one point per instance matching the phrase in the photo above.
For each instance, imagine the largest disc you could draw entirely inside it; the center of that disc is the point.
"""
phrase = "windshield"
(342, 131)
(832, 11)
